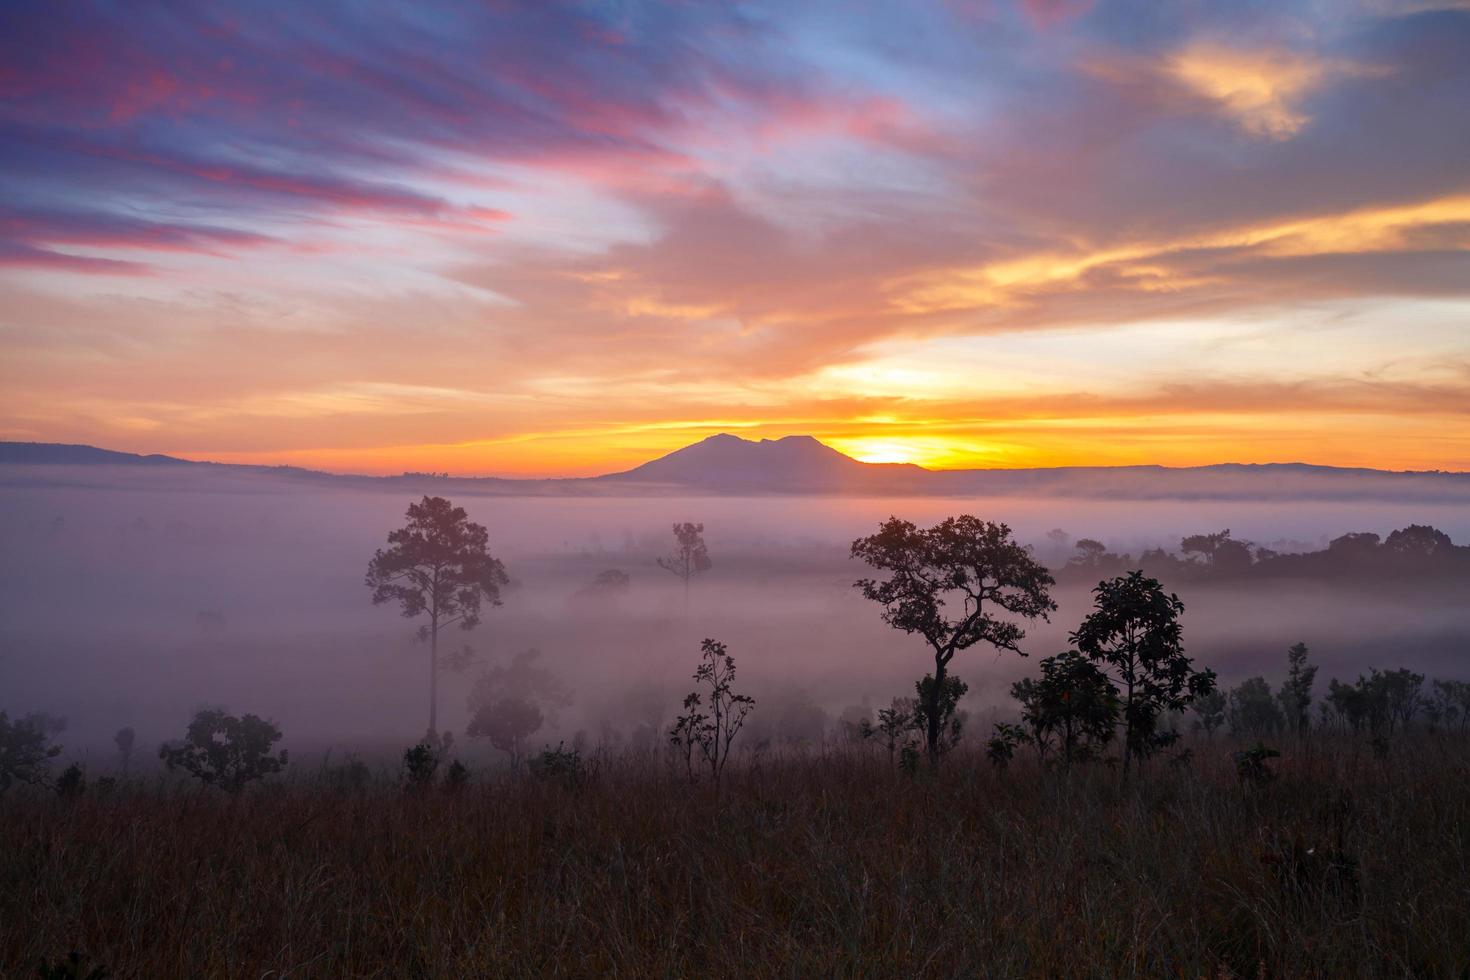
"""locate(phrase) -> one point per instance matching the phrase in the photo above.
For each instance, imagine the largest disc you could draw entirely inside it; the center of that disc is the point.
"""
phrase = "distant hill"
(727, 464)
(56, 453)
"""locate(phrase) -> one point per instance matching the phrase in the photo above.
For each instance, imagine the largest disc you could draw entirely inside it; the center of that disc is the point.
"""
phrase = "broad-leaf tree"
(1072, 702)
(962, 582)
(507, 723)
(439, 565)
(225, 751)
(1253, 710)
(26, 749)
(1134, 632)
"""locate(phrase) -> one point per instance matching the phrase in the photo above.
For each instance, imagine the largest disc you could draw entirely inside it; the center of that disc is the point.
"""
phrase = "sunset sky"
(559, 239)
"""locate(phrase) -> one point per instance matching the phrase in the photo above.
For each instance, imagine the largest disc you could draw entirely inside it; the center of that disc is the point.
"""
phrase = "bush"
(72, 782)
(1251, 767)
(559, 764)
(420, 764)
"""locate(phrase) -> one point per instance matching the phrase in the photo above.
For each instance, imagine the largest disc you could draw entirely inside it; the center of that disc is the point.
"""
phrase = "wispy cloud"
(348, 228)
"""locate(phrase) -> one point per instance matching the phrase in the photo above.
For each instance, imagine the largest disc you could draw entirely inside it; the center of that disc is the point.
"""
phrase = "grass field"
(802, 865)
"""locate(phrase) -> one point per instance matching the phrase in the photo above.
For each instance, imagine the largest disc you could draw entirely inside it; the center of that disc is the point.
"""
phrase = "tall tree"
(438, 563)
(955, 584)
(690, 556)
(1296, 692)
(1134, 630)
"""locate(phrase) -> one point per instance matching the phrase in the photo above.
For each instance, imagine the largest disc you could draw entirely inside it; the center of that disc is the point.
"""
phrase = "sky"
(546, 238)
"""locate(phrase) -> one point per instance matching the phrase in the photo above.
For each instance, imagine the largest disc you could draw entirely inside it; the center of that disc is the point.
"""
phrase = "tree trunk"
(434, 676)
(1128, 727)
(932, 709)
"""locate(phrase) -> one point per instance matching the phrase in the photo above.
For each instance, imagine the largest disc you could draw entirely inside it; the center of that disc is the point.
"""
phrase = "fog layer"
(126, 604)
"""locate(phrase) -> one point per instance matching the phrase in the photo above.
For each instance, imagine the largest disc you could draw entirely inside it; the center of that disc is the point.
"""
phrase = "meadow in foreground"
(1352, 861)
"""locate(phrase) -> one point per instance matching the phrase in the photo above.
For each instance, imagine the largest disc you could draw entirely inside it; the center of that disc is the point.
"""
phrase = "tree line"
(962, 583)
(1416, 551)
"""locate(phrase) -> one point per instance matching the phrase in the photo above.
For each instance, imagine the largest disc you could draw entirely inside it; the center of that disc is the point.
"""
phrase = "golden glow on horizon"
(1120, 440)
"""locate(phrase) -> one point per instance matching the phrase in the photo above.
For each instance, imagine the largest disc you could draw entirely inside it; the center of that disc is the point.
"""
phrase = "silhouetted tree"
(712, 733)
(950, 721)
(976, 565)
(895, 723)
(1449, 704)
(1296, 692)
(1134, 630)
(1402, 693)
(1219, 551)
(225, 751)
(690, 557)
(1253, 710)
(421, 764)
(124, 741)
(1209, 712)
(1418, 541)
(438, 563)
(1090, 553)
(1349, 704)
(507, 723)
(1072, 702)
(523, 679)
(26, 750)
(605, 589)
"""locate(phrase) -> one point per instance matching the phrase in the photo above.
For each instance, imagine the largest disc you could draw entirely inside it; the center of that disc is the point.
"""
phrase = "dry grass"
(805, 865)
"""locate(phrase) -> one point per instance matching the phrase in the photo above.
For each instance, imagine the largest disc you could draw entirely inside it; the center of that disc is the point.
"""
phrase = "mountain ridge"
(801, 464)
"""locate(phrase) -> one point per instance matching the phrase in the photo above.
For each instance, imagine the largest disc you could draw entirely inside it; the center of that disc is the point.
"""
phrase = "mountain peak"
(724, 461)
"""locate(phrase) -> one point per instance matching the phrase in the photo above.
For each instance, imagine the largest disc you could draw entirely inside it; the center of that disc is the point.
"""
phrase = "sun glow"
(928, 452)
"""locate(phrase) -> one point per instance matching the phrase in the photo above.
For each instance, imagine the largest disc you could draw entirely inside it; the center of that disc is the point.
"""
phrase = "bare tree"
(976, 565)
(690, 556)
(438, 563)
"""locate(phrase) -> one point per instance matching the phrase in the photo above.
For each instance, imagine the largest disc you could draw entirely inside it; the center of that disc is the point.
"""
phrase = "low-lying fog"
(128, 606)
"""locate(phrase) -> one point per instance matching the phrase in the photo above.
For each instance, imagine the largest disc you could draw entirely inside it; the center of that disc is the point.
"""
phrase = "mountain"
(727, 464)
(793, 464)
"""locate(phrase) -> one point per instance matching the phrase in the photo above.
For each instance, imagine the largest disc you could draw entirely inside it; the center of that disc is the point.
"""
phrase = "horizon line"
(174, 457)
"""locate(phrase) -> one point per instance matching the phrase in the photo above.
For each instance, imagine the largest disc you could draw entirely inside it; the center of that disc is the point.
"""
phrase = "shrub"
(559, 764)
(72, 782)
(1251, 767)
(420, 765)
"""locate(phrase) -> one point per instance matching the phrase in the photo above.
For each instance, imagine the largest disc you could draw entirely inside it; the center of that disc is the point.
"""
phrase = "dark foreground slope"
(838, 865)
